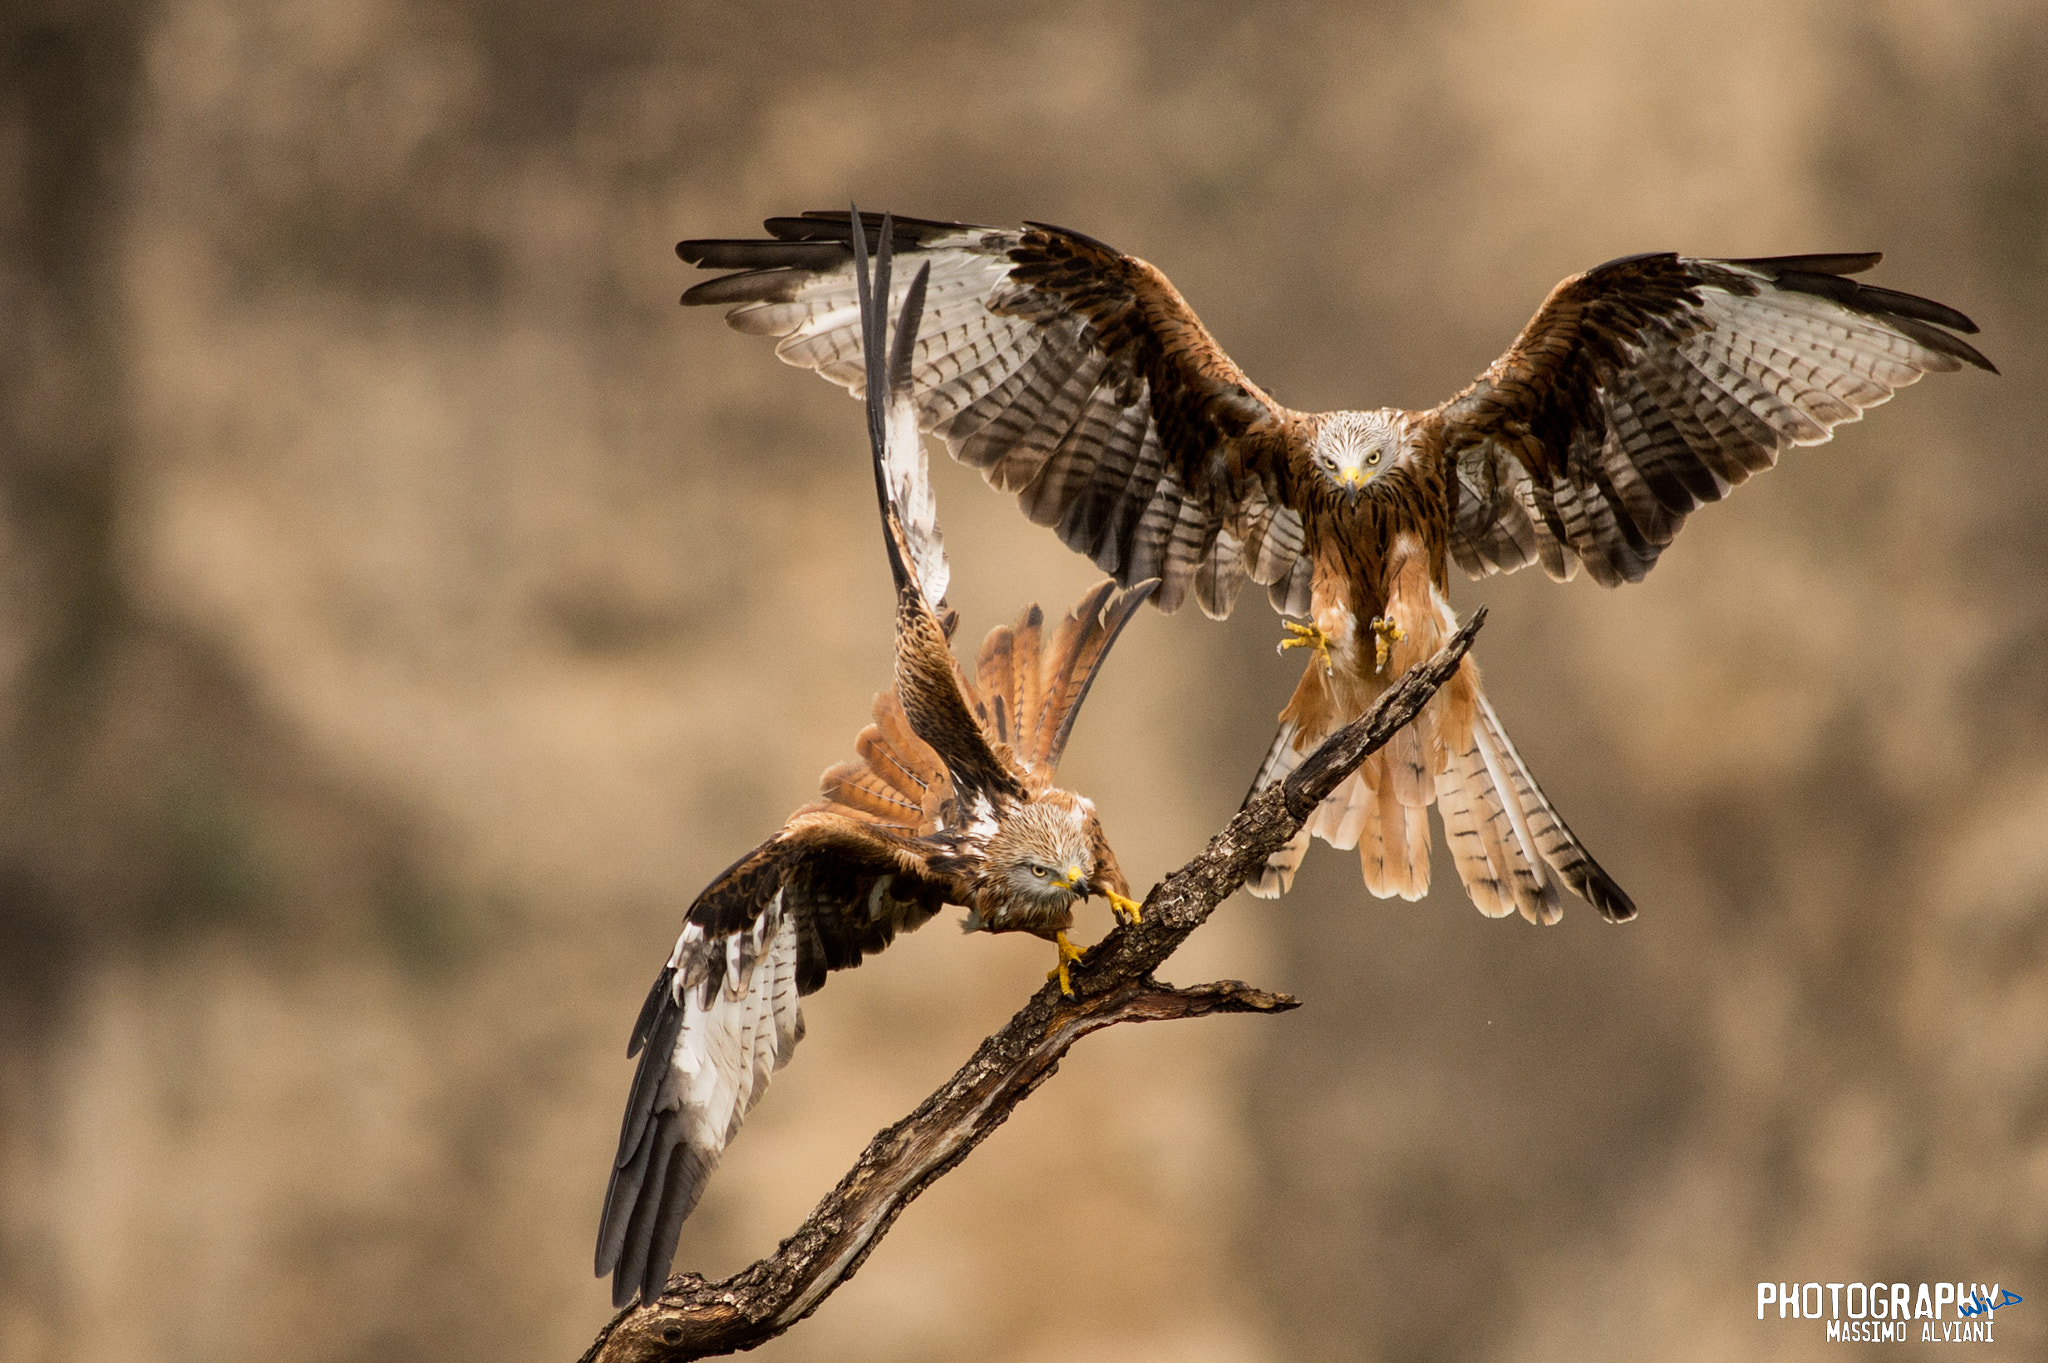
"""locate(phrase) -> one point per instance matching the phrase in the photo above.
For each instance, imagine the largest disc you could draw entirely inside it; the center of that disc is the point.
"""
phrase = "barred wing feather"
(1652, 385)
(1027, 689)
(1071, 375)
(723, 1016)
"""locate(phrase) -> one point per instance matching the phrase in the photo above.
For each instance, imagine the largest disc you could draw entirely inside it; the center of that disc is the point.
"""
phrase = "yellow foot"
(1128, 908)
(1308, 636)
(1069, 953)
(1385, 635)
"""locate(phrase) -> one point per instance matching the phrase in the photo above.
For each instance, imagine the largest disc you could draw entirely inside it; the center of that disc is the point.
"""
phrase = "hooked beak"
(1353, 482)
(1075, 881)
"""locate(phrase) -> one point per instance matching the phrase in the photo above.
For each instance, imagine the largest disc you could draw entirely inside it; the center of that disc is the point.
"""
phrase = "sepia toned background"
(405, 607)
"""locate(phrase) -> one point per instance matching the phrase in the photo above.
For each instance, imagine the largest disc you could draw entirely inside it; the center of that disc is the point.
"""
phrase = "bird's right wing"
(1068, 373)
(1027, 689)
(723, 1016)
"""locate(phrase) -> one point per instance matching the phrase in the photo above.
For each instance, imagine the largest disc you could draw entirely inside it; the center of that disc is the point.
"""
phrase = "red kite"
(1078, 378)
(950, 801)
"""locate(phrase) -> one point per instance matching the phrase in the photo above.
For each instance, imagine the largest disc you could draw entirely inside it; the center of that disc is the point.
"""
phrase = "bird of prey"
(1079, 379)
(950, 801)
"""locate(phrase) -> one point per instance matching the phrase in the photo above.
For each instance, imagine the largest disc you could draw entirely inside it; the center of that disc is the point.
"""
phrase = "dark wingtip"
(1832, 262)
(1610, 899)
(907, 323)
(1111, 616)
(1138, 593)
(1073, 235)
(873, 295)
(689, 1171)
(643, 1026)
(869, 292)
(1924, 320)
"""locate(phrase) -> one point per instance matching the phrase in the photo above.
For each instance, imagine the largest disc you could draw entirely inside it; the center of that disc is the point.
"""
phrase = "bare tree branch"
(699, 1319)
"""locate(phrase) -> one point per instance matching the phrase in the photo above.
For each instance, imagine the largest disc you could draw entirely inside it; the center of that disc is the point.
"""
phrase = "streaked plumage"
(1078, 378)
(949, 801)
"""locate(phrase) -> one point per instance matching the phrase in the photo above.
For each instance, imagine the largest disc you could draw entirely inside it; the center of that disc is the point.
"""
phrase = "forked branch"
(699, 1319)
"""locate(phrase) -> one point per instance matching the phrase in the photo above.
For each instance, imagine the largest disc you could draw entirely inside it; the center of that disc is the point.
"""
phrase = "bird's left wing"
(1654, 384)
(723, 1016)
(1070, 374)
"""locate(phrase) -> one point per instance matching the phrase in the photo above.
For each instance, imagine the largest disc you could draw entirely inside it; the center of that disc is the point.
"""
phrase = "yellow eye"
(1373, 458)
(1038, 871)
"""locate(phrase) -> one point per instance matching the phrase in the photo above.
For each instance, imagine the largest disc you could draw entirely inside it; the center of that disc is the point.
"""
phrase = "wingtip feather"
(1610, 899)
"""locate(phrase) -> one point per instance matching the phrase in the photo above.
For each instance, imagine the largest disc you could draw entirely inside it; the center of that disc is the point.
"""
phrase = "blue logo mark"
(1978, 1305)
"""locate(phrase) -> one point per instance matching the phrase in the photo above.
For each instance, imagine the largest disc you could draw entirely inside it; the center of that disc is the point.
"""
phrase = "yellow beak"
(1352, 478)
(1073, 877)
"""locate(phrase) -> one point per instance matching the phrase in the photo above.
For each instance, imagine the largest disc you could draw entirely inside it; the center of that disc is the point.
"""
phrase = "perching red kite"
(950, 801)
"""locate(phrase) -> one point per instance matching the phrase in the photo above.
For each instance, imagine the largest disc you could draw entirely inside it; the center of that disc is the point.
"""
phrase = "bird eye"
(1038, 871)
(1373, 458)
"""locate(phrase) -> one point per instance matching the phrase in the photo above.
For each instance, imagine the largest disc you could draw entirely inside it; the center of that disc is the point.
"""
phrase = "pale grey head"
(1353, 448)
(1042, 858)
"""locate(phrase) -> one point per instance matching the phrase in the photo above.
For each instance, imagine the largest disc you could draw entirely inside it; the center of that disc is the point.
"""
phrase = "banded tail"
(1512, 849)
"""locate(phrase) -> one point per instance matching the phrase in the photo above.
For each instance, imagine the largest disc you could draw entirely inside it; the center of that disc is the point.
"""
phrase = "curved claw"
(1128, 909)
(1310, 637)
(1069, 954)
(1385, 635)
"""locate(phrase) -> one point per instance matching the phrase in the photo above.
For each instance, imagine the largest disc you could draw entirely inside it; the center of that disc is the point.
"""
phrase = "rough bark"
(699, 1319)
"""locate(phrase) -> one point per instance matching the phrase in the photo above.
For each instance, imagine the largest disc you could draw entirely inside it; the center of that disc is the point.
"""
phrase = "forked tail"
(1512, 850)
(1510, 844)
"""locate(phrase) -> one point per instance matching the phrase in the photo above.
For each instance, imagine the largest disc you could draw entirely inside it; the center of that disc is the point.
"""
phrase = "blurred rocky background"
(407, 608)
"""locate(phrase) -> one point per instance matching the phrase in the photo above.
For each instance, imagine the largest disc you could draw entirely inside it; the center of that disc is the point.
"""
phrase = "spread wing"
(1069, 374)
(896, 781)
(1654, 384)
(723, 1016)
(1028, 689)
(928, 682)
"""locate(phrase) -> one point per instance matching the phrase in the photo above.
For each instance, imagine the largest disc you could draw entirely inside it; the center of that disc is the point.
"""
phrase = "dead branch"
(699, 1319)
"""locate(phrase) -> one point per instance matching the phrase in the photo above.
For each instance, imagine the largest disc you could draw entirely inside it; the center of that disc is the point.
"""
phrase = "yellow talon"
(1069, 953)
(1127, 907)
(1308, 636)
(1386, 634)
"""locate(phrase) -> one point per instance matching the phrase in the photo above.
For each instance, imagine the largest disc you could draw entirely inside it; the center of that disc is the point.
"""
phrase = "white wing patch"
(722, 1020)
(729, 1047)
(958, 341)
(907, 469)
(984, 825)
(1015, 385)
(819, 328)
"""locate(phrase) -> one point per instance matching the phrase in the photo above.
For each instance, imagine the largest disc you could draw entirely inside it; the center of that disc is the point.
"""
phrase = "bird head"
(1353, 448)
(1043, 854)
